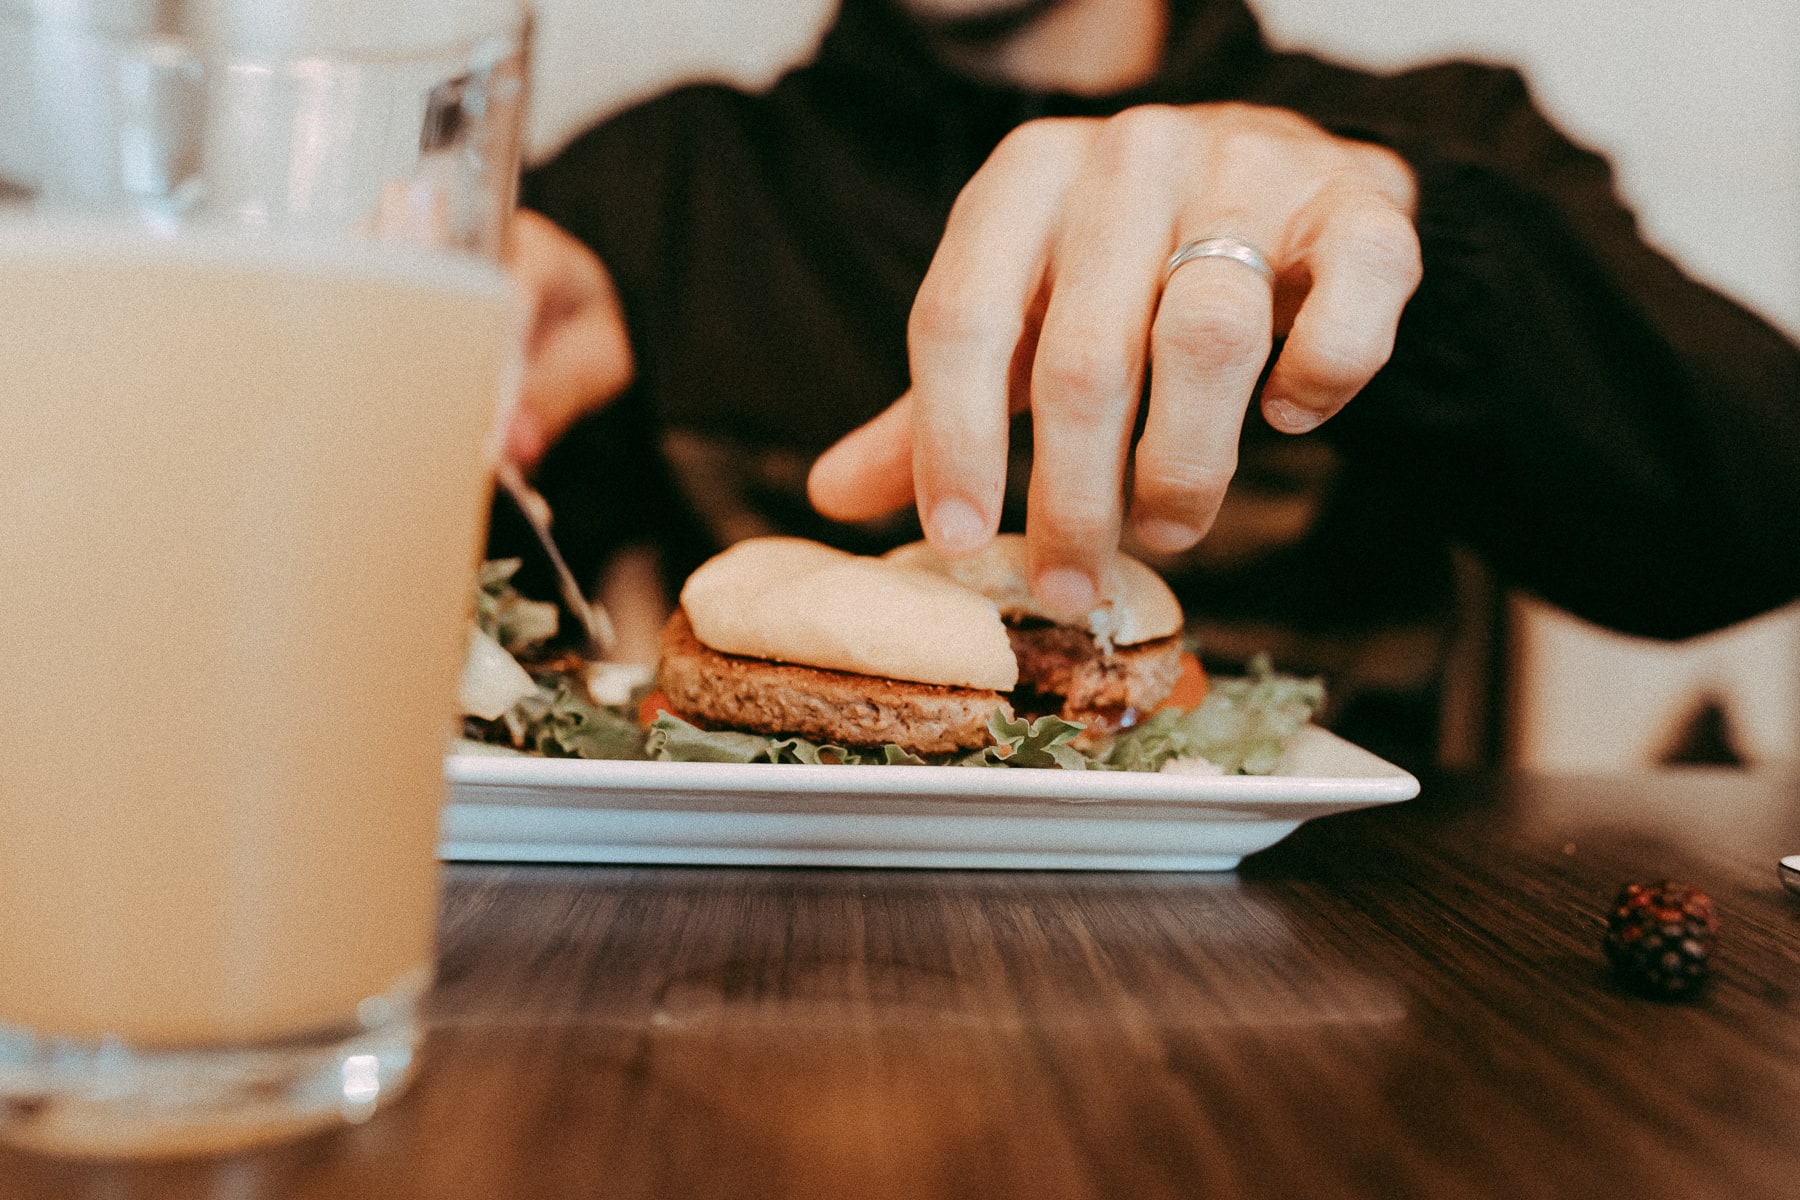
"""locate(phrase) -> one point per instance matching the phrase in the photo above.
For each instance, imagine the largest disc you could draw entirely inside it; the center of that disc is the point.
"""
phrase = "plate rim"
(1383, 782)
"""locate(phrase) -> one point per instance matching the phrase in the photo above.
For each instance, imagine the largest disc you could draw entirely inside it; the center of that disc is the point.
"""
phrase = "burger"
(788, 637)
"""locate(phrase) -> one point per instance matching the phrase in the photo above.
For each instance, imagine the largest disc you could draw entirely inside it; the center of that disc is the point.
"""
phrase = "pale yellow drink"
(240, 501)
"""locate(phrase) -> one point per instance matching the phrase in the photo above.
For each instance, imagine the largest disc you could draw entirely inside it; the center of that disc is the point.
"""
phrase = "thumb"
(869, 472)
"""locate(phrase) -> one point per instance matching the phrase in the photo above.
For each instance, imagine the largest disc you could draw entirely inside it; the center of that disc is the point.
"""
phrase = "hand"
(578, 355)
(1047, 293)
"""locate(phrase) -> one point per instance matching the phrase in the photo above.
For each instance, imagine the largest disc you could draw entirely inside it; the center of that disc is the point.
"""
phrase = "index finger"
(968, 319)
(1089, 368)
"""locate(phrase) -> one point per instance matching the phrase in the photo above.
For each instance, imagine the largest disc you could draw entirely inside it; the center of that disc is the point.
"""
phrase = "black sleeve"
(622, 187)
(1608, 432)
(619, 188)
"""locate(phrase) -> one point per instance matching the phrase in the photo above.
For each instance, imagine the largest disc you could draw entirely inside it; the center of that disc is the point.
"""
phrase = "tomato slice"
(1190, 685)
(649, 706)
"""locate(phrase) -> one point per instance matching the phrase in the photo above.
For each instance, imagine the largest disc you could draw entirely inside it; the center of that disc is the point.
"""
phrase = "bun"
(1135, 604)
(796, 601)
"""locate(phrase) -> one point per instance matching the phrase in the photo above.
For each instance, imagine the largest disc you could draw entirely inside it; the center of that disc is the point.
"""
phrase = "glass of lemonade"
(255, 352)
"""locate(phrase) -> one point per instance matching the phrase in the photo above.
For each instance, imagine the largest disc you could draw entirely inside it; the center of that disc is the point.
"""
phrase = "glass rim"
(486, 21)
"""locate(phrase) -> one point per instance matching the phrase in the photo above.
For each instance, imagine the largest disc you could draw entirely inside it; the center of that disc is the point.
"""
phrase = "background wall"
(1696, 102)
(595, 55)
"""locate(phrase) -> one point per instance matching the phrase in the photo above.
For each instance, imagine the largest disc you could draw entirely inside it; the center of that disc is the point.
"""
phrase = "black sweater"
(1596, 426)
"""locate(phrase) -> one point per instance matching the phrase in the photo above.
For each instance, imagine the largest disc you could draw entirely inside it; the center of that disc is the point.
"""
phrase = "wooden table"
(1402, 1002)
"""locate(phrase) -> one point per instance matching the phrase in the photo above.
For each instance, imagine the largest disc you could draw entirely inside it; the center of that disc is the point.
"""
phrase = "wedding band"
(1236, 249)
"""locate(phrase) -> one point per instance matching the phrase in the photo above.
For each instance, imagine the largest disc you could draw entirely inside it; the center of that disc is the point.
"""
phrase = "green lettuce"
(1020, 743)
(520, 624)
(1017, 743)
(562, 722)
(556, 717)
(1243, 725)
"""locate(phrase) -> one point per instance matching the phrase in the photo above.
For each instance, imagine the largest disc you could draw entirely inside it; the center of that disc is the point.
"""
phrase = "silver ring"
(1236, 249)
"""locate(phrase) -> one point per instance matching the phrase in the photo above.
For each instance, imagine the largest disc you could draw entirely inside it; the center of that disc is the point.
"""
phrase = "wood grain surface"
(1403, 1002)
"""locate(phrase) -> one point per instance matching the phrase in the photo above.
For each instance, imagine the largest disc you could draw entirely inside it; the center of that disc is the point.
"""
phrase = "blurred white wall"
(1697, 104)
(592, 56)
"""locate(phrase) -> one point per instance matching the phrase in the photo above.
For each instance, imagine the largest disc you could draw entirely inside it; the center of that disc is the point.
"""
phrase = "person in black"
(943, 211)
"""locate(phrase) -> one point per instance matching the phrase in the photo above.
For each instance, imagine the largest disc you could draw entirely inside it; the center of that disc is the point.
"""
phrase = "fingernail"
(1289, 417)
(1167, 537)
(957, 528)
(1067, 592)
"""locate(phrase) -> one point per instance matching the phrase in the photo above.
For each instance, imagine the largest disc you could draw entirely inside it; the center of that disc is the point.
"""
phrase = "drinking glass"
(255, 352)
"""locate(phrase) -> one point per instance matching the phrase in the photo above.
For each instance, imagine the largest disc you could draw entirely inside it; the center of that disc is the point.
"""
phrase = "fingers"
(967, 322)
(578, 353)
(1208, 345)
(1089, 368)
(1365, 266)
(1351, 255)
(1047, 289)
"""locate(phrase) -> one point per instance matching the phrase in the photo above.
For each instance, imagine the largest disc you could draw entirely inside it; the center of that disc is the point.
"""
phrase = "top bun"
(797, 601)
(1135, 604)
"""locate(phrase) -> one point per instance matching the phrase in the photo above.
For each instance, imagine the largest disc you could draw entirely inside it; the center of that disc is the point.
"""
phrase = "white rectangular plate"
(517, 809)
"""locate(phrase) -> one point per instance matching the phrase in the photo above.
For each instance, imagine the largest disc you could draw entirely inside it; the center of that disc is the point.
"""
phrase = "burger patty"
(821, 705)
(1105, 692)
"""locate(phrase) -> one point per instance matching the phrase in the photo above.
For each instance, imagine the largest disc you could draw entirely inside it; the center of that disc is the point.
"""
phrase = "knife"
(595, 624)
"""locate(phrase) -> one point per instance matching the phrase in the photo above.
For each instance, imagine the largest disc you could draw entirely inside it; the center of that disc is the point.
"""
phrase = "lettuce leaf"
(1017, 743)
(520, 624)
(675, 740)
(560, 722)
(1042, 743)
(1243, 725)
(545, 710)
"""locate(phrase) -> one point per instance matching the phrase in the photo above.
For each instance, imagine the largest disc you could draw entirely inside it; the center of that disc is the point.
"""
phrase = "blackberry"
(1659, 937)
